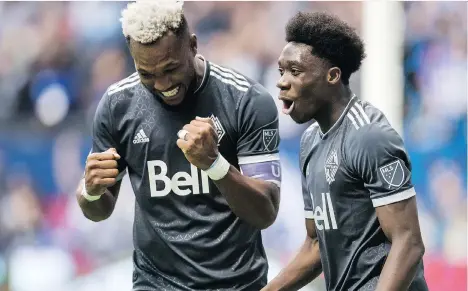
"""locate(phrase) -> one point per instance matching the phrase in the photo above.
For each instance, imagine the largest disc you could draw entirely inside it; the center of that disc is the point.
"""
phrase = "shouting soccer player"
(360, 207)
(200, 144)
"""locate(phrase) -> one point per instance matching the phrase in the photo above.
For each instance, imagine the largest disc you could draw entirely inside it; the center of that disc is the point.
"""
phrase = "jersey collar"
(338, 122)
(206, 73)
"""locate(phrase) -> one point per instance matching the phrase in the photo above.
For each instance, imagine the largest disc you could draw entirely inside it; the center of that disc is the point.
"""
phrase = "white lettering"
(179, 179)
(276, 169)
(205, 184)
(325, 213)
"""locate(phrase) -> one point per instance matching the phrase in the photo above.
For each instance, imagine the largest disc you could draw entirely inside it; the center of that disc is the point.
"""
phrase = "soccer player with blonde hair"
(200, 144)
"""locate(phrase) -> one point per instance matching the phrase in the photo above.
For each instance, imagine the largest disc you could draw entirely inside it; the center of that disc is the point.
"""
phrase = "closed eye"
(295, 72)
(145, 75)
(171, 69)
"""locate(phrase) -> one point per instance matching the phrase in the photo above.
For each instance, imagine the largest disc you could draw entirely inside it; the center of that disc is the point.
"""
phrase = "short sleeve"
(103, 133)
(258, 127)
(380, 160)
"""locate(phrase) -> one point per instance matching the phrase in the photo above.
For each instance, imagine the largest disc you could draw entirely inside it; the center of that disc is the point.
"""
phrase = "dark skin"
(316, 89)
(313, 84)
(170, 63)
(253, 200)
(305, 267)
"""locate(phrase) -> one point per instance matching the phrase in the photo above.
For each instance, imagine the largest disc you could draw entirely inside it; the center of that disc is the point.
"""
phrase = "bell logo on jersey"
(325, 214)
(179, 179)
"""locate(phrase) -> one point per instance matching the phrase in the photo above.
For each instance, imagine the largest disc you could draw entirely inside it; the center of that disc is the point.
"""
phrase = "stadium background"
(56, 60)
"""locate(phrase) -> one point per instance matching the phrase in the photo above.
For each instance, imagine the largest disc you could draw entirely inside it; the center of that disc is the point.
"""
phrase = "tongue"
(288, 111)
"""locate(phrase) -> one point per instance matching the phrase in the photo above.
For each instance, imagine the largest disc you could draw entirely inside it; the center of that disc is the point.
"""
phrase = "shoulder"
(119, 93)
(243, 91)
(230, 79)
(368, 125)
(123, 89)
(123, 85)
(376, 137)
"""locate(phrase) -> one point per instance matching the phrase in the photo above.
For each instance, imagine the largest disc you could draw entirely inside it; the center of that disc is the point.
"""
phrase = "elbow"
(420, 249)
(266, 220)
(417, 246)
(414, 247)
(96, 218)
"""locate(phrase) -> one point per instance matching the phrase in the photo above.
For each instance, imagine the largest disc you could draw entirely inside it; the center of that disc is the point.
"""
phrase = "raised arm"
(98, 190)
(253, 193)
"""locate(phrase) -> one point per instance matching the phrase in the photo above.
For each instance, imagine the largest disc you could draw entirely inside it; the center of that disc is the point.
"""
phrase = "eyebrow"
(294, 63)
(291, 63)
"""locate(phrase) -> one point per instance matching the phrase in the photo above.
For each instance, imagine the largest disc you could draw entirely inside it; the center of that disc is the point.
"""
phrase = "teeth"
(171, 93)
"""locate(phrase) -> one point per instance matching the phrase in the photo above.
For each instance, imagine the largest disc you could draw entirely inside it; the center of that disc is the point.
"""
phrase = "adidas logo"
(140, 137)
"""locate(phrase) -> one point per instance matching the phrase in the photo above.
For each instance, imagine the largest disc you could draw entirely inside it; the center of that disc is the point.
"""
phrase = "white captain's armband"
(264, 167)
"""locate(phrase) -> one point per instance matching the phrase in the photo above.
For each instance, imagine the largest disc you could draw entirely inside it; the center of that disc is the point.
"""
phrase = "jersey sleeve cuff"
(397, 197)
(309, 214)
(258, 158)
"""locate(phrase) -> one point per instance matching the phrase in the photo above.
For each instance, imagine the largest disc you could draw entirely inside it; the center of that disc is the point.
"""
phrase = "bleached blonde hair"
(146, 21)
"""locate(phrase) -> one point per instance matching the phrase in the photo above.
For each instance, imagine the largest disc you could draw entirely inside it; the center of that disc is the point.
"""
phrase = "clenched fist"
(101, 171)
(198, 141)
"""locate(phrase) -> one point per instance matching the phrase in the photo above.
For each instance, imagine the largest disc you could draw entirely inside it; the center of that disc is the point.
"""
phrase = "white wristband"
(88, 197)
(218, 169)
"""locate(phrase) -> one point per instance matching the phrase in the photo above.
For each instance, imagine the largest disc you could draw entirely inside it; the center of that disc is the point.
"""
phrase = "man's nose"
(283, 84)
(163, 83)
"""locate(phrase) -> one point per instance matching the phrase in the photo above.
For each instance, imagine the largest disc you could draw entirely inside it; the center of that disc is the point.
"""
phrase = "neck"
(331, 112)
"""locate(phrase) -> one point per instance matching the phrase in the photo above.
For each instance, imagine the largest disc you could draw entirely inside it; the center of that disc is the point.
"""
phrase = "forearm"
(97, 210)
(400, 266)
(304, 268)
(253, 200)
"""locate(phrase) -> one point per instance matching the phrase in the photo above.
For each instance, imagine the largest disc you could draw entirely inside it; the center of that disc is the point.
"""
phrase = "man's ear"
(334, 75)
(193, 43)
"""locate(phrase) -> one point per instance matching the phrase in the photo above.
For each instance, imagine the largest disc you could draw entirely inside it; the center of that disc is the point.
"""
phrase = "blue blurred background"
(58, 58)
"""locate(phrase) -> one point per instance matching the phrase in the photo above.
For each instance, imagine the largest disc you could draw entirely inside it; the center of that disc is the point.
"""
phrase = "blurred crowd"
(58, 58)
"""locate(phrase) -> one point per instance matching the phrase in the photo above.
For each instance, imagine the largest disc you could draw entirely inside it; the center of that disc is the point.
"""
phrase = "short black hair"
(330, 38)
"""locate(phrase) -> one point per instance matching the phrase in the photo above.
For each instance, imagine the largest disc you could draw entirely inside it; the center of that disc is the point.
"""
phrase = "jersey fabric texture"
(185, 235)
(359, 164)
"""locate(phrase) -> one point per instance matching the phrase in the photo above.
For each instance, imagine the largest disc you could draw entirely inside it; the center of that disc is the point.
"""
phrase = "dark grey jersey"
(185, 235)
(359, 164)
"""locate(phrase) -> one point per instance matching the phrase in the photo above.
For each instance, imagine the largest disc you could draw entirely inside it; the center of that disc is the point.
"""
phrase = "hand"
(199, 143)
(101, 171)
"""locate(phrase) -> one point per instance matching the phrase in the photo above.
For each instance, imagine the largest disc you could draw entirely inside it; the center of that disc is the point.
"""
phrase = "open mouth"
(171, 93)
(288, 106)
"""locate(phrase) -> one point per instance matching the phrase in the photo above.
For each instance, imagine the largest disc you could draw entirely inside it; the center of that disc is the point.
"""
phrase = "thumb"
(114, 151)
